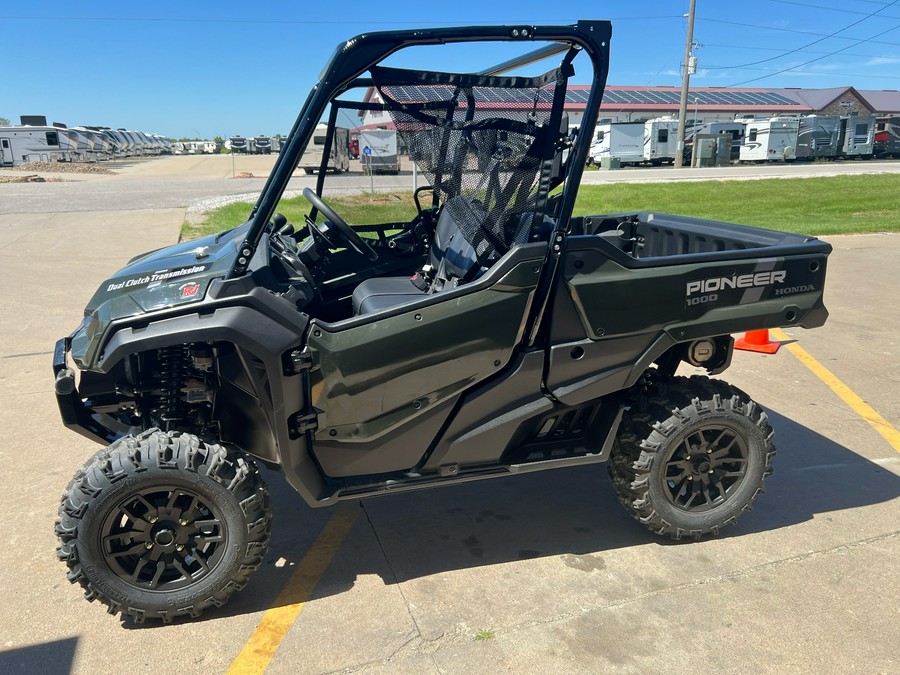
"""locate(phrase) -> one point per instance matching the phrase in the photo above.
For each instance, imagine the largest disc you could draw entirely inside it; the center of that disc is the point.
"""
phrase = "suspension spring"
(174, 367)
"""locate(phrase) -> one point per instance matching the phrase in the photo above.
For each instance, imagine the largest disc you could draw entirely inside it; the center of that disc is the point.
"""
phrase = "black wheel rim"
(706, 467)
(163, 538)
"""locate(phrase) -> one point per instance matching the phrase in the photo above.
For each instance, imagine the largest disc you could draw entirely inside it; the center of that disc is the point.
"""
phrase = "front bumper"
(76, 412)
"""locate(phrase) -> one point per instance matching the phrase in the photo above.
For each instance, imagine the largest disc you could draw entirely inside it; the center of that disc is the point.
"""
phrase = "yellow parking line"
(261, 647)
(847, 395)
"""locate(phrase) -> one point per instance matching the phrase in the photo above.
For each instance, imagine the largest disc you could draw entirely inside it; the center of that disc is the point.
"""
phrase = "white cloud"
(882, 60)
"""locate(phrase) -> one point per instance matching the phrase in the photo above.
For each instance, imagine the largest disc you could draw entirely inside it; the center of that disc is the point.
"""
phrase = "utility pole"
(685, 85)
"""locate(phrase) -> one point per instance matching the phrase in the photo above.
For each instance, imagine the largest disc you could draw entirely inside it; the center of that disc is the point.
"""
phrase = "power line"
(830, 9)
(814, 42)
(793, 30)
(828, 74)
(776, 49)
(800, 65)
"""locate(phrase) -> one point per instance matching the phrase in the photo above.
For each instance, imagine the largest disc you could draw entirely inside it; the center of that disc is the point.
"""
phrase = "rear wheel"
(163, 525)
(691, 456)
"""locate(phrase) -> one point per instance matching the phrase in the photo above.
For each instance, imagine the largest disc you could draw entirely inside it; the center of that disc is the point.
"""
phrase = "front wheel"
(691, 456)
(163, 525)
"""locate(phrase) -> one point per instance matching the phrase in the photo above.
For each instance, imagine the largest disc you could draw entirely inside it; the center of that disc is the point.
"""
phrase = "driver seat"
(451, 256)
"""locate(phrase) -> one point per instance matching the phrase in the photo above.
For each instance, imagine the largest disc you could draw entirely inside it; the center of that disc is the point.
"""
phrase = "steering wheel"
(356, 242)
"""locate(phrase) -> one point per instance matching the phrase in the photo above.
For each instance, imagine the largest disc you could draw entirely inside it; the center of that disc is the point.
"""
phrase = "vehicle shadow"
(45, 657)
(568, 511)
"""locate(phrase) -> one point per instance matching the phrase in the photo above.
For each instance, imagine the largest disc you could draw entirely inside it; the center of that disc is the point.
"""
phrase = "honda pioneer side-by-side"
(490, 333)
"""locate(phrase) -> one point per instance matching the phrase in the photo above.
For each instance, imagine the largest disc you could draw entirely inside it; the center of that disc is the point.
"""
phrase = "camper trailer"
(819, 136)
(80, 142)
(660, 140)
(859, 135)
(770, 140)
(130, 142)
(887, 137)
(735, 130)
(262, 145)
(23, 144)
(240, 145)
(623, 141)
(339, 157)
(378, 151)
(102, 143)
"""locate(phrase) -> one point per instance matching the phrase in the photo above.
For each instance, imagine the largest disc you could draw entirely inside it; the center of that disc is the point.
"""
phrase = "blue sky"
(201, 68)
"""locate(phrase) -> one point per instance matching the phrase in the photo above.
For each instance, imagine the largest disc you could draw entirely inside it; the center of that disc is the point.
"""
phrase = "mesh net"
(483, 143)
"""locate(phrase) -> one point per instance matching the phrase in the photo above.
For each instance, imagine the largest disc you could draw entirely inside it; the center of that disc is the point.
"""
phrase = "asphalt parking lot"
(543, 573)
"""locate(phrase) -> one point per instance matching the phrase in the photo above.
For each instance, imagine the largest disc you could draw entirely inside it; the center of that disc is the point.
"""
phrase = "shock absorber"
(174, 367)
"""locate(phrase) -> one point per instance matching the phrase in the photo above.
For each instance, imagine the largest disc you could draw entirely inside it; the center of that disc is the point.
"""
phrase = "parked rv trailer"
(238, 144)
(859, 136)
(262, 145)
(80, 143)
(887, 137)
(770, 140)
(378, 151)
(23, 144)
(132, 145)
(660, 140)
(733, 129)
(148, 148)
(100, 143)
(119, 140)
(339, 157)
(819, 136)
(620, 140)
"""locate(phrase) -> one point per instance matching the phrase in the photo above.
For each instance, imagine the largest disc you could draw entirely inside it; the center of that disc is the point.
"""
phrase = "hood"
(161, 279)
(148, 276)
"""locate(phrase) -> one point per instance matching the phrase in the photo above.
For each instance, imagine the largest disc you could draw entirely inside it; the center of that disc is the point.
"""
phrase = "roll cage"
(352, 59)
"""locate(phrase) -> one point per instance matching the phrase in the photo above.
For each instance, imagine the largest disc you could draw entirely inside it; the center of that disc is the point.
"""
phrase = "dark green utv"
(491, 334)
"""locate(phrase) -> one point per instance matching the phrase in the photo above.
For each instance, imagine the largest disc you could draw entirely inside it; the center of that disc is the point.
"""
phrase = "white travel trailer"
(859, 135)
(660, 140)
(339, 157)
(770, 140)
(82, 144)
(98, 144)
(620, 140)
(23, 144)
(378, 151)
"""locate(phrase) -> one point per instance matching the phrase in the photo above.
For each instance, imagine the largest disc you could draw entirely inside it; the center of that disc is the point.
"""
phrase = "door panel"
(372, 378)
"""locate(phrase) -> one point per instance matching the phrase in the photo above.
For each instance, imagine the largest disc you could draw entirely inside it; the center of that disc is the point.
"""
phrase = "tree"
(4, 122)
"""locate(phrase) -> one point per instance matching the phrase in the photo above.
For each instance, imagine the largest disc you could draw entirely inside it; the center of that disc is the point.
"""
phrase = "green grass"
(484, 635)
(364, 209)
(817, 206)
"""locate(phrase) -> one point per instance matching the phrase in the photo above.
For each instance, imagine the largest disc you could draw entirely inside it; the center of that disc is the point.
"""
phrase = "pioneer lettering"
(741, 281)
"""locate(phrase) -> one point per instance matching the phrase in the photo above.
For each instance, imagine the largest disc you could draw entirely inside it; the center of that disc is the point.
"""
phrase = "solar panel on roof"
(661, 97)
